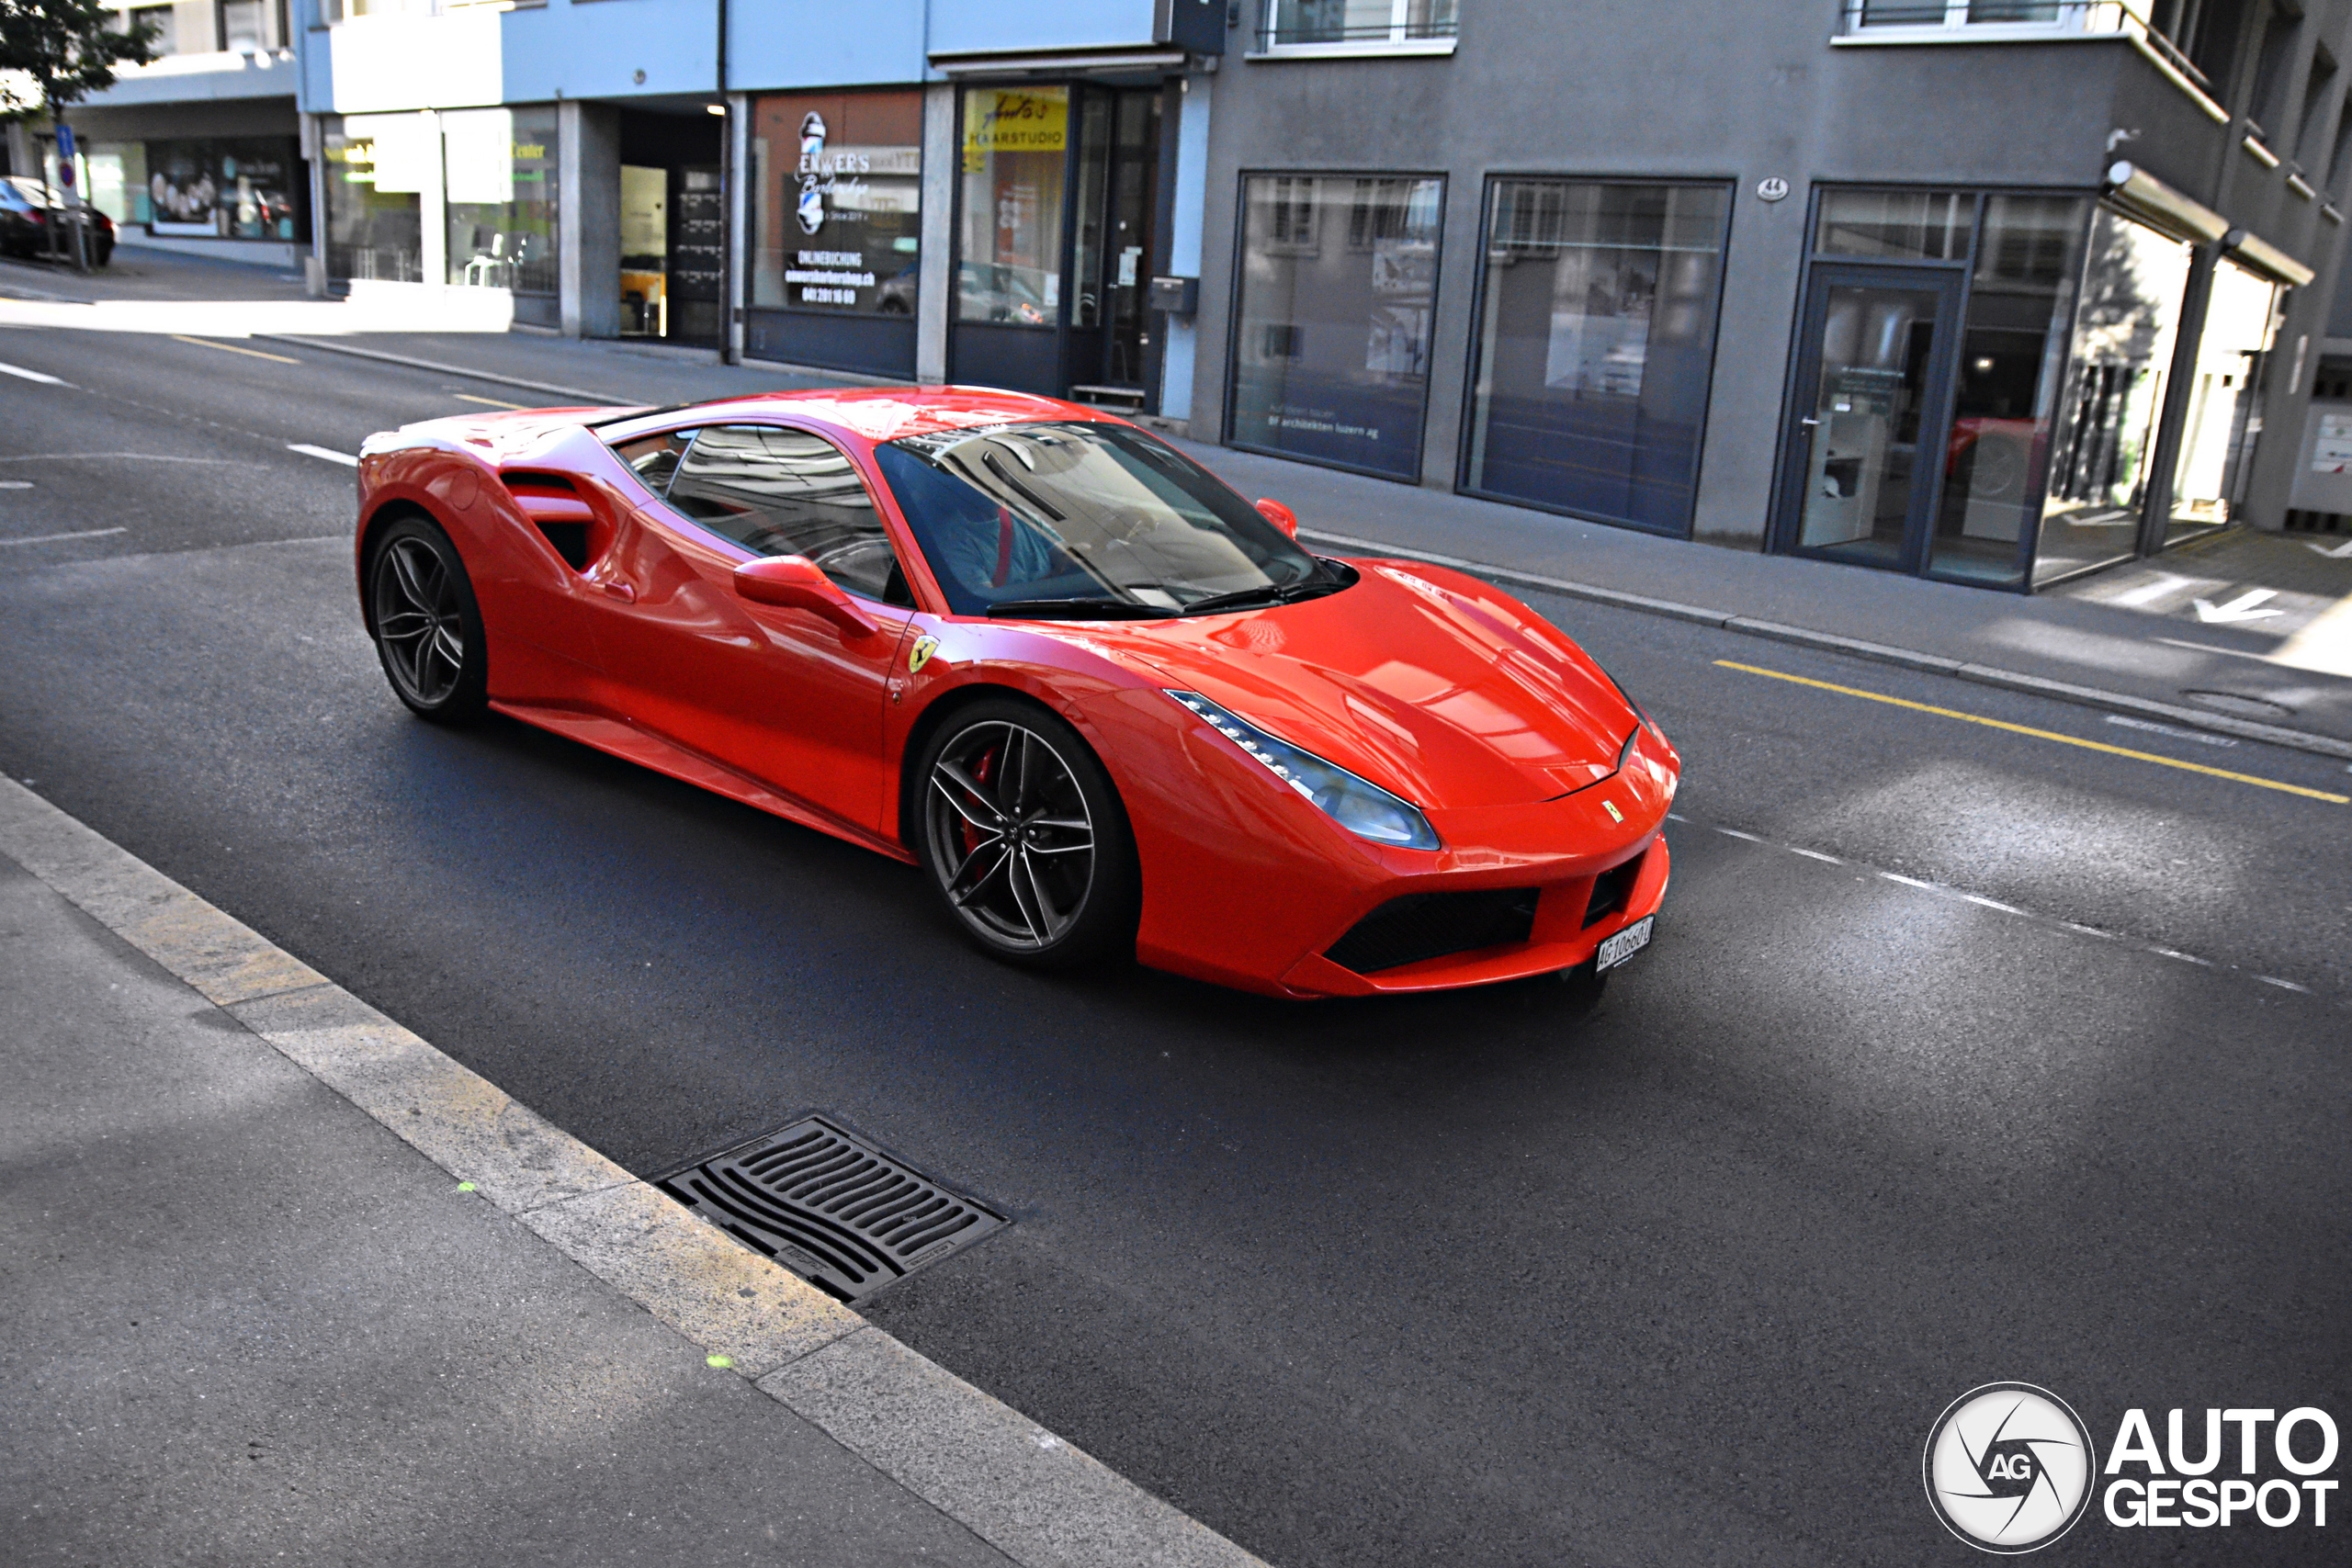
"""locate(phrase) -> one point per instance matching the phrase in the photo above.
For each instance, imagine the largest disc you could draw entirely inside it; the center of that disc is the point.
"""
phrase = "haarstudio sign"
(2009, 1468)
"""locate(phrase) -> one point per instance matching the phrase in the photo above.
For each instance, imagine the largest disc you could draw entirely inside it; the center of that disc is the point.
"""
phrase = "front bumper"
(1245, 884)
(1559, 939)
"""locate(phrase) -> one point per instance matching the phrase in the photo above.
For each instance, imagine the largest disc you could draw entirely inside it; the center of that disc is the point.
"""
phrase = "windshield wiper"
(1251, 598)
(1076, 610)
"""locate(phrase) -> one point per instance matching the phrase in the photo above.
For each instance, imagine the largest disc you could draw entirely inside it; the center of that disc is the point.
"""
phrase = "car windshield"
(1078, 520)
(32, 190)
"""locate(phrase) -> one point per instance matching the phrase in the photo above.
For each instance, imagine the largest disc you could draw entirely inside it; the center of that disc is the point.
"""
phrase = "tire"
(1066, 890)
(434, 652)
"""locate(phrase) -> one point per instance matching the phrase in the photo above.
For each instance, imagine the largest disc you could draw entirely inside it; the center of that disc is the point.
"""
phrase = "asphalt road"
(1461, 1280)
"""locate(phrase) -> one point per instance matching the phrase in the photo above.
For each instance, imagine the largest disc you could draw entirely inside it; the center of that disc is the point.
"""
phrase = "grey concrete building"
(1991, 291)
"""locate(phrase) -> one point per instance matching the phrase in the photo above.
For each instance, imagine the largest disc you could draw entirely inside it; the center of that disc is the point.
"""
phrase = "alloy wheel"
(1011, 840)
(419, 622)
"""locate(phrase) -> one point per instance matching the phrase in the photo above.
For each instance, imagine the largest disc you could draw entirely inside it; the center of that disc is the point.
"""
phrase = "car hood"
(1426, 682)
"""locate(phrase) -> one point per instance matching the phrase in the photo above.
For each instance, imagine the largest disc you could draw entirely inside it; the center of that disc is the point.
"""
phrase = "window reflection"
(2124, 331)
(2224, 404)
(1015, 148)
(2019, 303)
(1595, 346)
(1896, 225)
(500, 168)
(1332, 338)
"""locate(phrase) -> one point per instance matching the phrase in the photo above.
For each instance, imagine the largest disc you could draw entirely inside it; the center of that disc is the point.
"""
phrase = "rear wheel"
(1024, 838)
(428, 627)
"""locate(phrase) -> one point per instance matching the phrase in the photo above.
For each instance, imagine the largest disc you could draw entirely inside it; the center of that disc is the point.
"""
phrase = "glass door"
(1863, 452)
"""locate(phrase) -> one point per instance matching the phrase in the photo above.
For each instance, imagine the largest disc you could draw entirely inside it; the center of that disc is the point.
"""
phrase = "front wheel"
(1025, 839)
(427, 627)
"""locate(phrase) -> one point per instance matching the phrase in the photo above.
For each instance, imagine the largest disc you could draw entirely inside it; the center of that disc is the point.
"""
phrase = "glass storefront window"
(1595, 347)
(1331, 333)
(238, 189)
(837, 194)
(117, 182)
(1016, 144)
(1895, 225)
(499, 166)
(376, 165)
(2125, 328)
(2019, 303)
(2224, 404)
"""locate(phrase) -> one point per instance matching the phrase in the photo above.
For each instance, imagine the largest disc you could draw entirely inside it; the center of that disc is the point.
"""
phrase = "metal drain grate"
(835, 1210)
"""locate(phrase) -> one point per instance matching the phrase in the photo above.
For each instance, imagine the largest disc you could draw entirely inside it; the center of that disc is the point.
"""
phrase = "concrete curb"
(1018, 1487)
(600, 399)
(1878, 652)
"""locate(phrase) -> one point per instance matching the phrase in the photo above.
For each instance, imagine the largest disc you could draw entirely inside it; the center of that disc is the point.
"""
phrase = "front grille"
(1431, 925)
(835, 1210)
(1611, 889)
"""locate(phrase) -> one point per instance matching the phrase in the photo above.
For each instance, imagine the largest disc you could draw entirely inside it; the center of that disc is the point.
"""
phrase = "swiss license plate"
(1624, 945)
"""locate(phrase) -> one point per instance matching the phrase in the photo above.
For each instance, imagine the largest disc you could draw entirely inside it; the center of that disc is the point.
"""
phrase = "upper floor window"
(1418, 27)
(165, 37)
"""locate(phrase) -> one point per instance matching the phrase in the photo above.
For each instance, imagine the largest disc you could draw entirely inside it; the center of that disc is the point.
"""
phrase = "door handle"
(1810, 424)
(620, 591)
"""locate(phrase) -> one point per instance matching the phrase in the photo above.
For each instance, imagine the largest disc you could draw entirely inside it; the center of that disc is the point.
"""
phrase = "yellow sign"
(1014, 119)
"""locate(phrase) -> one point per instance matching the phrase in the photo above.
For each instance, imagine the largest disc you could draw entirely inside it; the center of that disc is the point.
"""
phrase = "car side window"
(654, 458)
(786, 492)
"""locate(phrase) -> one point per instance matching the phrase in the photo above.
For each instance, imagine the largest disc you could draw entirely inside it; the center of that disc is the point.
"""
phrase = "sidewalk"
(249, 1322)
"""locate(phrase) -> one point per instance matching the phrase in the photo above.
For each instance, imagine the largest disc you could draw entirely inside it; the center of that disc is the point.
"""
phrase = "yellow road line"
(493, 403)
(232, 348)
(2041, 734)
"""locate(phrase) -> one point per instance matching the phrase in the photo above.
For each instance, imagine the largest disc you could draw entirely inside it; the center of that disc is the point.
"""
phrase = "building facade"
(201, 151)
(1996, 291)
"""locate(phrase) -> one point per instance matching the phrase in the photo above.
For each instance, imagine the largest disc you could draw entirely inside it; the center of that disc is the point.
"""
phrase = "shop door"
(1861, 460)
(1118, 185)
(697, 255)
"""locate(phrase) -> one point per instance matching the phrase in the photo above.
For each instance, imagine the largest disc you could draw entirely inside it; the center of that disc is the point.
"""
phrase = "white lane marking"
(52, 539)
(125, 457)
(331, 456)
(1988, 903)
(20, 370)
(2174, 730)
(16, 484)
(1979, 899)
(2148, 592)
(1676, 816)
(2240, 608)
(2208, 648)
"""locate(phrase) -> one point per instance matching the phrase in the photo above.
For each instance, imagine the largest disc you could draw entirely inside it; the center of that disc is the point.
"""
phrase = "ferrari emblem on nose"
(920, 655)
(1614, 815)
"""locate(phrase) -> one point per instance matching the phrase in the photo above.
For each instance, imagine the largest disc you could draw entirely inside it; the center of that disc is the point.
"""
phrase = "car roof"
(887, 413)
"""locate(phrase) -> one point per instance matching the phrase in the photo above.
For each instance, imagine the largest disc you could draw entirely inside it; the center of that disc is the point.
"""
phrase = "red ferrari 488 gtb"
(1106, 704)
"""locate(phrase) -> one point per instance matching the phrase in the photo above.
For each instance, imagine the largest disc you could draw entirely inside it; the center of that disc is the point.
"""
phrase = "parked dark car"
(30, 211)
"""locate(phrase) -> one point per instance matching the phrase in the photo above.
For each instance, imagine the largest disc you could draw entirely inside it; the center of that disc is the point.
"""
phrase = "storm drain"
(831, 1208)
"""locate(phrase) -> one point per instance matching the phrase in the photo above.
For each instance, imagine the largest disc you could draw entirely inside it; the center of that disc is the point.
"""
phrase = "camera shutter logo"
(2008, 1468)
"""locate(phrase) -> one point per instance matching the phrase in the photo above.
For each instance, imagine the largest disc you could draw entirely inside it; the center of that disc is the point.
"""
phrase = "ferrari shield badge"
(1614, 815)
(920, 654)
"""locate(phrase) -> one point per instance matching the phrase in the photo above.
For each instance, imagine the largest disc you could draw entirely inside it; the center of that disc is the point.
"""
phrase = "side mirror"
(1280, 516)
(795, 582)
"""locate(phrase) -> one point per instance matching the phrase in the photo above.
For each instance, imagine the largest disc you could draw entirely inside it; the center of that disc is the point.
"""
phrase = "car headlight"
(1357, 805)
